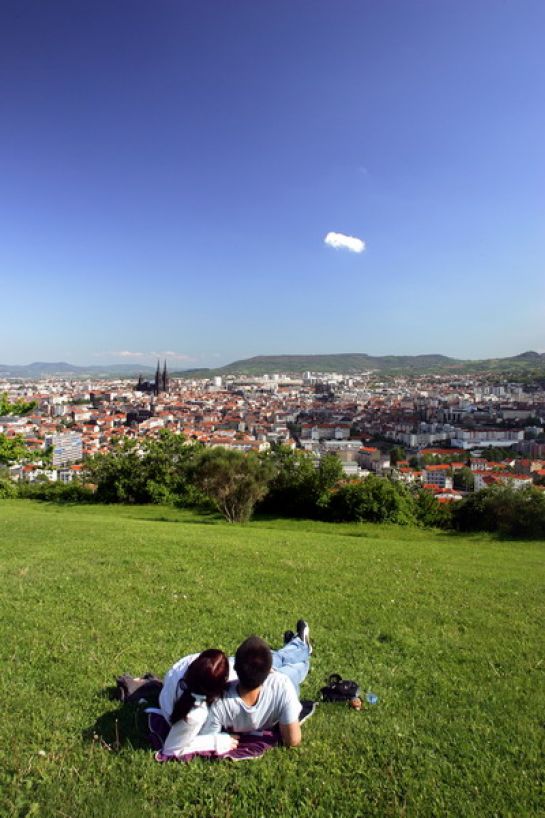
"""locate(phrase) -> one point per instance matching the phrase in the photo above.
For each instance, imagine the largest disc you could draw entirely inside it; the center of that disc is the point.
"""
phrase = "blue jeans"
(293, 660)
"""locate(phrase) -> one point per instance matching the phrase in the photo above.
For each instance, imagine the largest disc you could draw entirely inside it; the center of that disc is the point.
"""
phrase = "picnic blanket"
(250, 746)
(137, 690)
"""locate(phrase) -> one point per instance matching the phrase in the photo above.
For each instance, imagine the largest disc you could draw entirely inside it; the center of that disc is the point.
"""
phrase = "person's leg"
(293, 660)
(297, 673)
(292, 652)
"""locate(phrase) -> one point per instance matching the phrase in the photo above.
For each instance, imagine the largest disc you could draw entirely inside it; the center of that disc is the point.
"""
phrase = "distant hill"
(344, 363)
(353, 362)
(43, 369)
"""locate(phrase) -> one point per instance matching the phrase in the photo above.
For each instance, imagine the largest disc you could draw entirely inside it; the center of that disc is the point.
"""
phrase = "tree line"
(281, 482)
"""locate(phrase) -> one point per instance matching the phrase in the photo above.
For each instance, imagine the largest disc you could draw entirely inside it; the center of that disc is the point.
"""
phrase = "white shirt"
(183, 737)
(171, 690)
(277, 702)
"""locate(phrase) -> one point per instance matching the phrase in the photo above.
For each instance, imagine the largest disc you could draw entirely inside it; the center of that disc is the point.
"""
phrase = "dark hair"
(253, 662)
(206, 675)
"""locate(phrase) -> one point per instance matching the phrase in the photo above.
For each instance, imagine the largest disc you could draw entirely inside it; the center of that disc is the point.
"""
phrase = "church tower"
(165, 379)
(157, 388)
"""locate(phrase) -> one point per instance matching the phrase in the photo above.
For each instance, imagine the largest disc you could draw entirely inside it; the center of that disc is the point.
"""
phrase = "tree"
(19, 407)
(463, 479)
(12, 449)
(299, 488)
(7, 489)
(234, 482)
(328, 475)
(503, 509)
(397, 453)
(375, 500)
(46, 456)
(429, 512)
(292, 487)
(495, 454)
(166, 462)
(117, 474)
(156, 472)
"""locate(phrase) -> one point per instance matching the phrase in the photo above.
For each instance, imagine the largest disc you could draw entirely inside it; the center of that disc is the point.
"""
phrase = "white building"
(67, 448)
(437, 476)
(485, 479)
(478, 438)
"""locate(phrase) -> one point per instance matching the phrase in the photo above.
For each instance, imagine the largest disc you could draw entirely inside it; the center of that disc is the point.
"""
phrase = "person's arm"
(290, 729)
(214, 721)
(291, 734)
(183, 736)
(169, 692)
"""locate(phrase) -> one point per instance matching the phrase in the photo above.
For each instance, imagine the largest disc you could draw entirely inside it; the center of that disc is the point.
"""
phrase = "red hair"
(206, 675)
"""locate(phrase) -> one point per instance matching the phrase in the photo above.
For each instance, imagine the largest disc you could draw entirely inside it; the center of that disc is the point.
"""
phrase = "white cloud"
(341, 242)
(176, 356)
(169, 354)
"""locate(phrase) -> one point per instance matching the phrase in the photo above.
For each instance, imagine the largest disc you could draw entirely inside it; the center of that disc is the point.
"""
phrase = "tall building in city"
(67, 448)
(161, 382)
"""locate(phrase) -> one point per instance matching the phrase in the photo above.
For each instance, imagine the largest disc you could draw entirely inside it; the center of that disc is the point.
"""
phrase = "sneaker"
(303, 632)
(307, 710)
(288, 636)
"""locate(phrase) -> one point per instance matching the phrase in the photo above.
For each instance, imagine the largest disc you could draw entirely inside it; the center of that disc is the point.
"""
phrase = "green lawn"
(447, 630)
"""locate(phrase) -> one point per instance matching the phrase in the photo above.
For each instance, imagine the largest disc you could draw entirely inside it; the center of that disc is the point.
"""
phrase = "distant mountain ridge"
(344, 363)
(353, 362)
(41, 369)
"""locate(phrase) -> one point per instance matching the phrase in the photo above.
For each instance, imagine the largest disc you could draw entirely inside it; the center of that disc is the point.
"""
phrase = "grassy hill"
(350, 363)
(446, 630)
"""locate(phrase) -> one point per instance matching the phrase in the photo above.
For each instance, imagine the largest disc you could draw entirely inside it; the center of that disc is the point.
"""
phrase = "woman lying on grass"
(264, 692)
(194, 683)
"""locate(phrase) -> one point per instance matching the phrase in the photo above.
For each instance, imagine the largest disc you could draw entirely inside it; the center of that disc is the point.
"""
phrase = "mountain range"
(345, 363)
(351, 363)
(44, 369)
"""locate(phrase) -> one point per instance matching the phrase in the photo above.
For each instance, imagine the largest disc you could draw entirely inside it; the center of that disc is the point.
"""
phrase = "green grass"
(447, 630)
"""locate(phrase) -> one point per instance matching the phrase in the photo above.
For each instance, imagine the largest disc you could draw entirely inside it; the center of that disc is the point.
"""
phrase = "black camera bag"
(339, 689)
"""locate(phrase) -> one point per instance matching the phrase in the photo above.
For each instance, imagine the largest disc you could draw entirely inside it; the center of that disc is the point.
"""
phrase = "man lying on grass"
(264, 694)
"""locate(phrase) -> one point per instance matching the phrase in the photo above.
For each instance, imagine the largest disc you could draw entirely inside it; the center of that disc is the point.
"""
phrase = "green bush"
(74, 492)
(299, 488)
(7, 489)
(510, 512)
(429, 512)
(375, 500)
(156, 472)
(232, 481)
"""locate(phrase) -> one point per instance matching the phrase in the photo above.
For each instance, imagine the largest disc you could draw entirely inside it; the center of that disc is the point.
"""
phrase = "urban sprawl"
(417, 429)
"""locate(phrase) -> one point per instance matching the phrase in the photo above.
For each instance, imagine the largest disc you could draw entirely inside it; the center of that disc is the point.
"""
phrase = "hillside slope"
(351, 363)
(446, 630)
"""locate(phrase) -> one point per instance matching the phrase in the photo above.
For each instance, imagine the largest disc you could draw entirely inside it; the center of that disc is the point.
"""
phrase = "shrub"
(502, 509)
(375, 500)
(429, 512)
(234, 482)
(155, 473)
(74, 492)
(299, 488)
(7, 489)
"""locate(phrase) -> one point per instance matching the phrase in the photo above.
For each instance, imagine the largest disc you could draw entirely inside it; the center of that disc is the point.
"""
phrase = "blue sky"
(169, 170)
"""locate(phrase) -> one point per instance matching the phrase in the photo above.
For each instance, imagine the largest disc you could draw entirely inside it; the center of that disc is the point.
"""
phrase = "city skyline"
(209, 182)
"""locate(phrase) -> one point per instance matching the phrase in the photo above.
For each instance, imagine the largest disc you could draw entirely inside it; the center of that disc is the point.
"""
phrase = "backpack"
(339, 689)
(133, 690)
